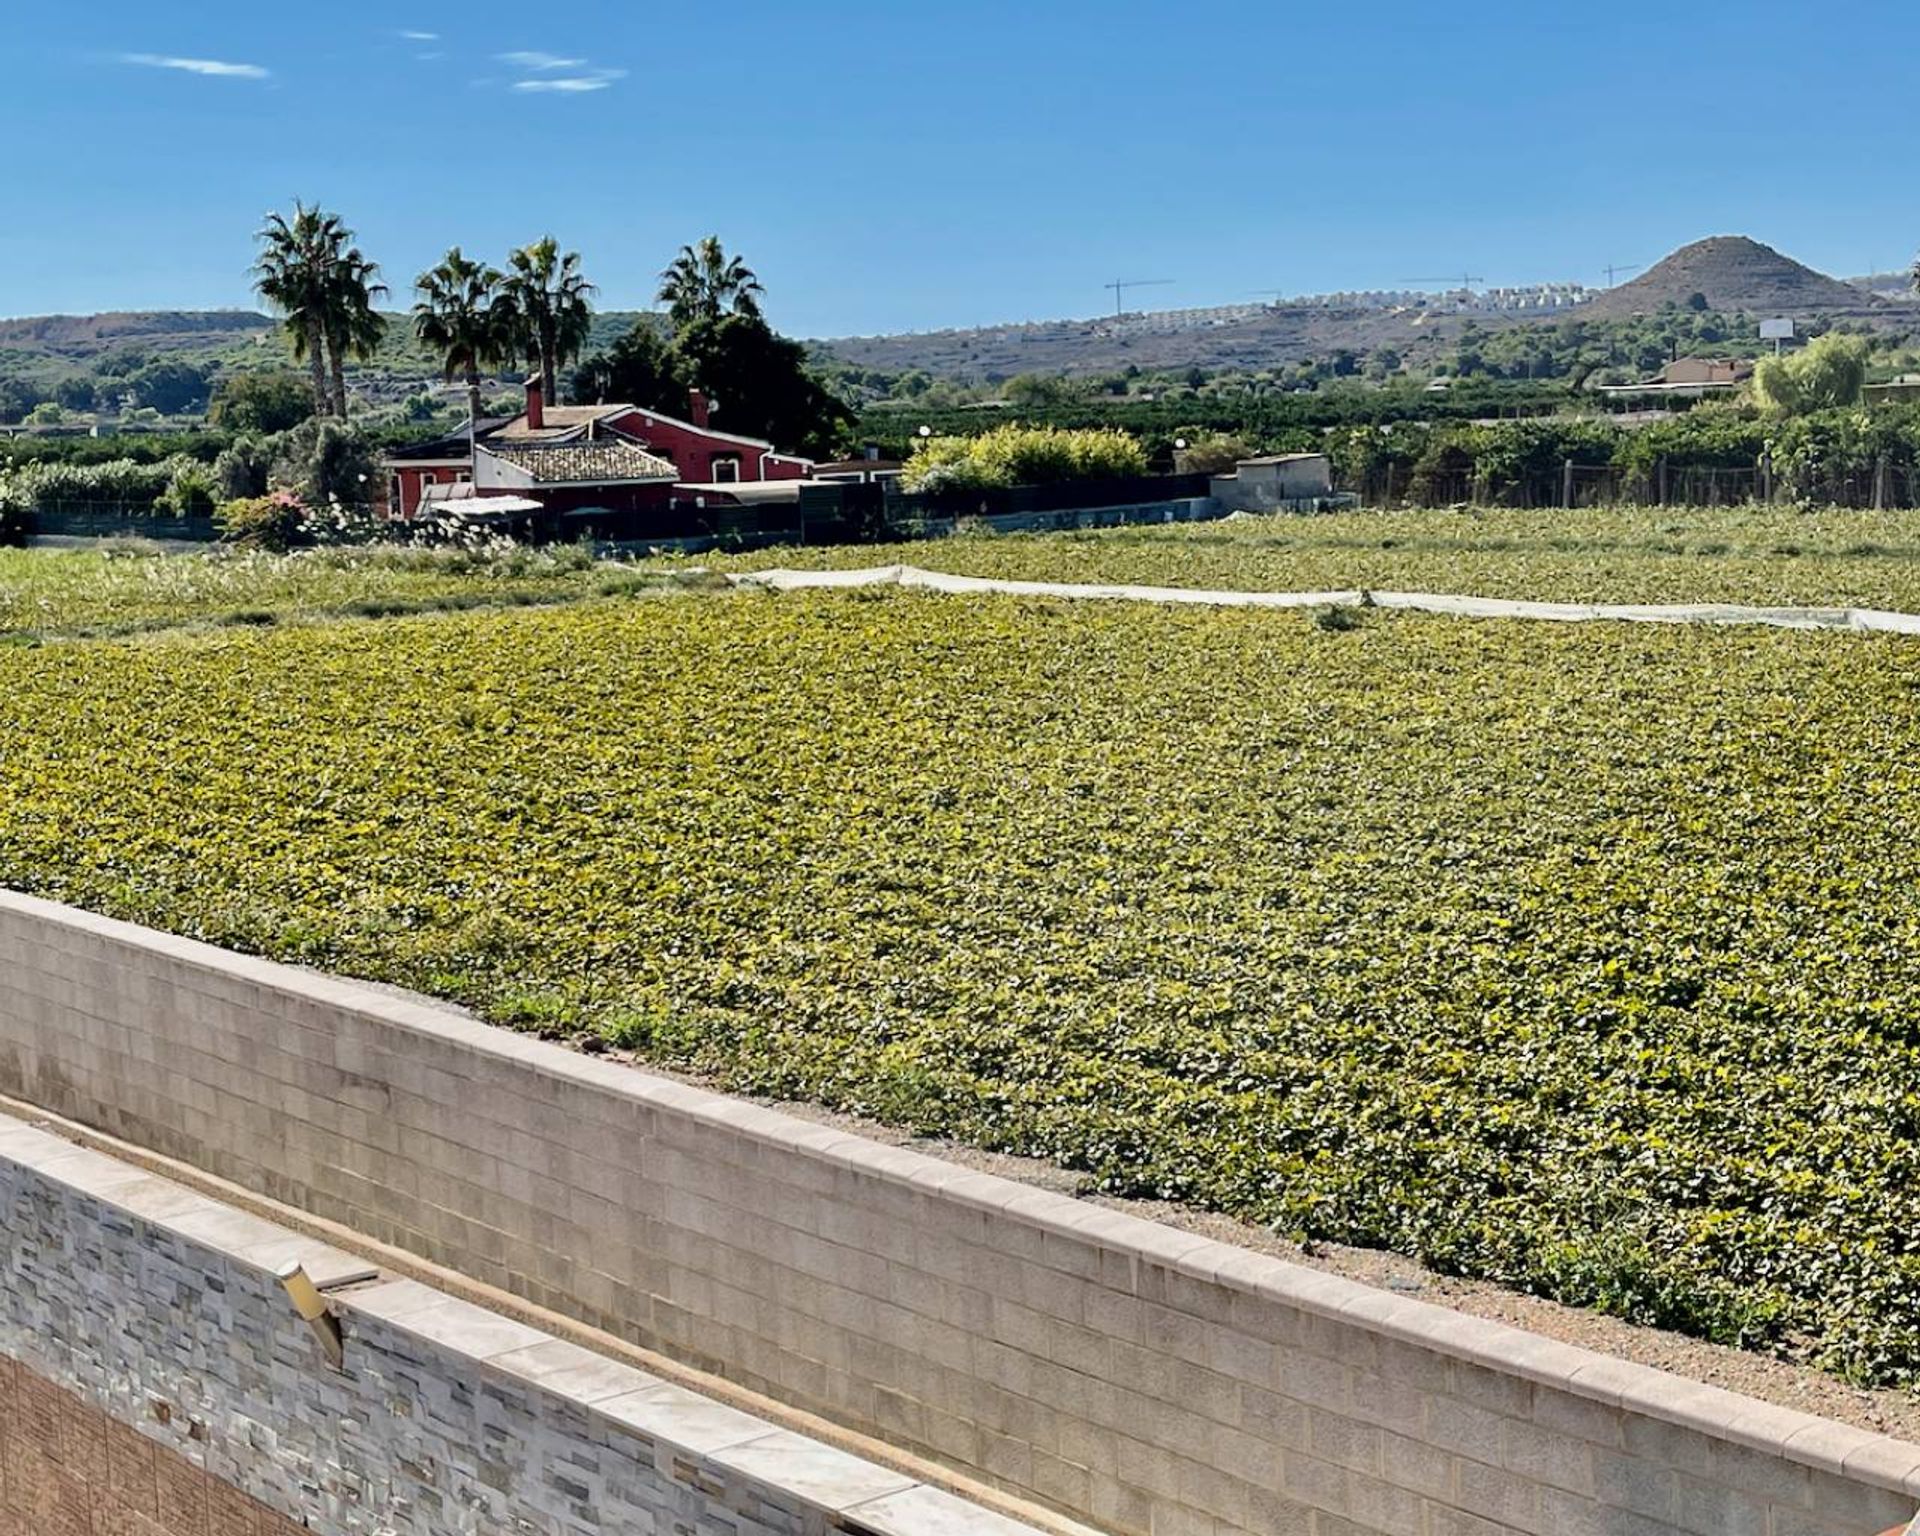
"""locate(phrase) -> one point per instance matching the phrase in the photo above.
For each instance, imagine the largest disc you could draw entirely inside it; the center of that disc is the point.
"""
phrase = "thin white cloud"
(215, 67)
(421, 37)
(428, 58)
(572, 84)
(529, 59)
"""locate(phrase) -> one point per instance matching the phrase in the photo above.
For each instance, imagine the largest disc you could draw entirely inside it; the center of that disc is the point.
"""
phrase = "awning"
(463, 500)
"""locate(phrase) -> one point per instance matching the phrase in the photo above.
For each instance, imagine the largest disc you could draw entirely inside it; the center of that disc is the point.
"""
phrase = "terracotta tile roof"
(595, 463)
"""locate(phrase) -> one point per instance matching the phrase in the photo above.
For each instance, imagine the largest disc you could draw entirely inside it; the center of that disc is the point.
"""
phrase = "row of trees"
(478, 317)
(538, 309)
(1844, 455)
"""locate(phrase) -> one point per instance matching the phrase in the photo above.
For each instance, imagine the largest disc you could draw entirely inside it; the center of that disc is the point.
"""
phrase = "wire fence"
(1884, 485)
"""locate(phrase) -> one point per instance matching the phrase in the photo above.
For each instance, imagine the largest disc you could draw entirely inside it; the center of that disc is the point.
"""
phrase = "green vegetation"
(126, 587)
(718, 340)
(1580, 958)
(462, 318)
(548, 300)
(1830, 372)
(312, 274)
(1613, 554)
(1009, 456)
(1739, 555)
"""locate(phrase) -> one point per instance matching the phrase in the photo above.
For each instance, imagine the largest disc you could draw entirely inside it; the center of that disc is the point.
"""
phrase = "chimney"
(698, 410)
(536, 403)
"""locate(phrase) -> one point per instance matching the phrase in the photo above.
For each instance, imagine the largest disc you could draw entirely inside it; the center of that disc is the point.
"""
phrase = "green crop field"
(1745, 555)
(124, 591)
(1617, 555)
(1583, 958)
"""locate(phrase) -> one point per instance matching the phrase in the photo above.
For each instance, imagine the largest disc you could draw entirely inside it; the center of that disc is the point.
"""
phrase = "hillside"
(1250, 337)
(1733, 273)
(82, 335)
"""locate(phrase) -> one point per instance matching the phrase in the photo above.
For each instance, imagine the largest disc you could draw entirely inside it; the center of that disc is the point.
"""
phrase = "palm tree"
(294, 277)
(352, 325)
(704, 283)
(460, 316)
(547, 297)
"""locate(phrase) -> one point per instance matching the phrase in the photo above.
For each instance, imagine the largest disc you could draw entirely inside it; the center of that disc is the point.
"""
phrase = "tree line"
(477, 318)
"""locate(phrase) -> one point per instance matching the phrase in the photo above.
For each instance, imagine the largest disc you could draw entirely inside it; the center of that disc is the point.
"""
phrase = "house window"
(726, 469)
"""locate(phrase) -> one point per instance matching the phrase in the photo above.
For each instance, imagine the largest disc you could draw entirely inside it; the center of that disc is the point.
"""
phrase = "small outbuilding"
(1284, 482)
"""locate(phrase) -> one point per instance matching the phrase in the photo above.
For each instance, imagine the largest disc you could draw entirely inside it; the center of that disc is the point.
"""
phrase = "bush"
(324, 462)
(262, 402)
(1210, 453)
(241, 469)
(192, 492)
(275, 522)
(1829, 372)
(1016, 455)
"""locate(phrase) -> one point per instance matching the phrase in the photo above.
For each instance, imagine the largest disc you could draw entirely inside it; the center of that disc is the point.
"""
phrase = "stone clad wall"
(156, 1381)
(1146, 1379)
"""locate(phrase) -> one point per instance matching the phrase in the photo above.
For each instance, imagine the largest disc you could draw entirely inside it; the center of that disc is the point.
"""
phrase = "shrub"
(275, 522)
(1211, 453)
(324, 461)
(192, 492)
(1016, 455)
(119, 483)
(241, 469)
(1827, 373)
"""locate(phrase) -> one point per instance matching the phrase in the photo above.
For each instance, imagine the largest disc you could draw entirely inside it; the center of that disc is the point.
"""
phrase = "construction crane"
(1120, 290)
(1632, 266)
(1465, 280)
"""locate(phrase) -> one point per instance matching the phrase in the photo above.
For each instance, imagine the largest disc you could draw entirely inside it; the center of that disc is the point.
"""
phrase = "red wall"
(412, 483)
(693, 450)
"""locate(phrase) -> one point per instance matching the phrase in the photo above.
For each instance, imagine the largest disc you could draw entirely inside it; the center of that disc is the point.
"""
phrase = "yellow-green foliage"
(1610, 554)
(1015, 455)
(1829, 371)
(129, 588)
(1585, 958)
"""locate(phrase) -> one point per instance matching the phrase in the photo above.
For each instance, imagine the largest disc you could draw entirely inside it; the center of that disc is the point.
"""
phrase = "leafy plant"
(1013, 455)
(276, 522)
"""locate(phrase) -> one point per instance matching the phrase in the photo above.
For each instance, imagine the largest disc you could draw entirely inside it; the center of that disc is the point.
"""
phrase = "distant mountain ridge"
(58, 332)
(1731, 272)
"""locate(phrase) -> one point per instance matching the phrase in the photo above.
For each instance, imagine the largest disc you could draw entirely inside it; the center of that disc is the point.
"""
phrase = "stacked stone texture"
(152, 1386)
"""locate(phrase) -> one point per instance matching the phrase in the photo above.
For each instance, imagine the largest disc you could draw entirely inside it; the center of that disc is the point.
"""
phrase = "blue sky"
(910, 165)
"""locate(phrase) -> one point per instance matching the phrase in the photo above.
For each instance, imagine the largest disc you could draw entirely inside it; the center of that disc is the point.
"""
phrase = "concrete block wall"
(1146, 1379)
(156, 1381)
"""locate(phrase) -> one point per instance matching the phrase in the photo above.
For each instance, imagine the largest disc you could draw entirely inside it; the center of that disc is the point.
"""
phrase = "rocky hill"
(1733, 273)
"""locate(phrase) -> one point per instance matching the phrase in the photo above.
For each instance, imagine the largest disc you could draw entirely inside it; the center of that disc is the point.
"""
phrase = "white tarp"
(1422, 602)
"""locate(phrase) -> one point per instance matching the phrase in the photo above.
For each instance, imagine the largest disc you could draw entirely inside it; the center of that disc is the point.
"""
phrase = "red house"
(576, 459)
